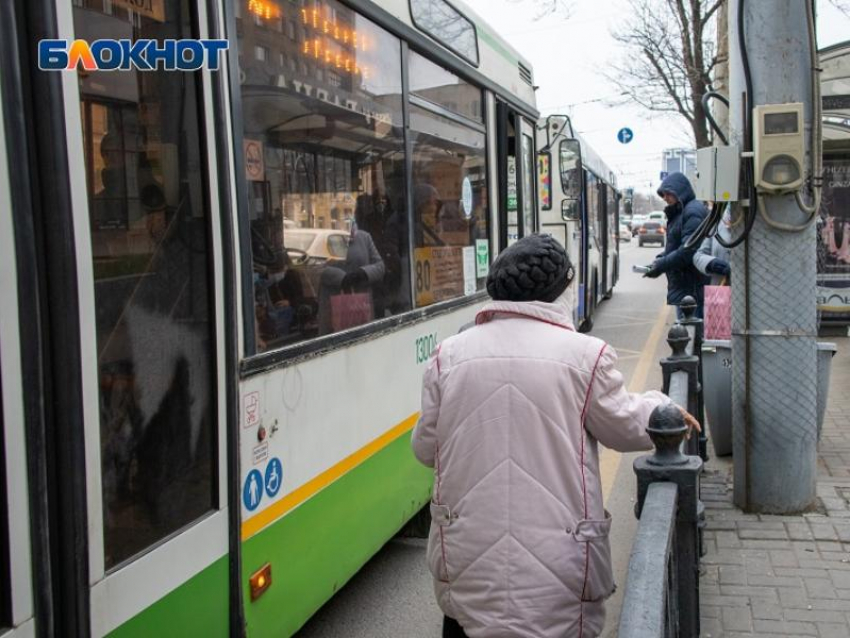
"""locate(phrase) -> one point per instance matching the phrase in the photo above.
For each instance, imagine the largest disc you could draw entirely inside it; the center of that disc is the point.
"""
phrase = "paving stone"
(784, 628)
(841, 579)
(799, 531)
(732, 575)
(820, 588)
(765, 544)
(766, 610)
(737, 619)
(833, 630)
(773, 581)
(813, 615)
(783, 558)
(823, 532)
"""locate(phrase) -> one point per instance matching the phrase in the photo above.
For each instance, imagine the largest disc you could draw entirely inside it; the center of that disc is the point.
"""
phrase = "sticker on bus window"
(482, 257)
(469, 284)
(544, 161)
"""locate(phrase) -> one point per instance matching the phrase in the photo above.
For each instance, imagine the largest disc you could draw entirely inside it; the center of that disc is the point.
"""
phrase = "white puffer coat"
(512, 410)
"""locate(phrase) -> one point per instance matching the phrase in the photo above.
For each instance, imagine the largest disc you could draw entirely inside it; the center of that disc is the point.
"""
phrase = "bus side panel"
(316, 548)
(198, 607)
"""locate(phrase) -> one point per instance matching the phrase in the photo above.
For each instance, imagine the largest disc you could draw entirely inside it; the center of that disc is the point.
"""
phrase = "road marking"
(609, 460)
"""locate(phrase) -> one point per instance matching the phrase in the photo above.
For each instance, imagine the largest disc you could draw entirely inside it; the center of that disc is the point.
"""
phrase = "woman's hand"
(690, 421)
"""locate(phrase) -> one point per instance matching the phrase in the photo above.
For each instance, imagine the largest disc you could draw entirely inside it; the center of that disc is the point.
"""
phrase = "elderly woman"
(512, 410)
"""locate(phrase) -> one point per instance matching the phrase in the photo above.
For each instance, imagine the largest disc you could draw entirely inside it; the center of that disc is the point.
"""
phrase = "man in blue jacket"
(684, 216)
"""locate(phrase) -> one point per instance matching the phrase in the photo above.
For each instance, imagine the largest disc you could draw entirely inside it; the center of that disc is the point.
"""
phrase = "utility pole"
(774, 317)
(721, 73)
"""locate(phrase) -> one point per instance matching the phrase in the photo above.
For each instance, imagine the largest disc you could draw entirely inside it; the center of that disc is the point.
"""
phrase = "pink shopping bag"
(718, 312)
(350, 310)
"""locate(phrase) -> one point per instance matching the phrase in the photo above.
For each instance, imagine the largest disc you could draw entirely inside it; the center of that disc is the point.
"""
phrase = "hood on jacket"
(679, 185)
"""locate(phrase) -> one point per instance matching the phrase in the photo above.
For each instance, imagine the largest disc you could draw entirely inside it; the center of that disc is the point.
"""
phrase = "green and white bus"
(219, 291)
(580, 206)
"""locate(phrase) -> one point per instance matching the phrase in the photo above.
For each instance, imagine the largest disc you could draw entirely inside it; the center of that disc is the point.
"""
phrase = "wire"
(714, 125)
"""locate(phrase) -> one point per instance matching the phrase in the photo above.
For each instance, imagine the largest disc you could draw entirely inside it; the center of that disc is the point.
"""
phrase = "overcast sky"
(569, 56)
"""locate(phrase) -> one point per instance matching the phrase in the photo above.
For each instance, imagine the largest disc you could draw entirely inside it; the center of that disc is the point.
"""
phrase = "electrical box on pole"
(718, 174)
(779, 147)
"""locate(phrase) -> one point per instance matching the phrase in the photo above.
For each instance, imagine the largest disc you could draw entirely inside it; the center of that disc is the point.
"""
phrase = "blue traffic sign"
(252, 492)
(664, 175)
(625, 135)
(274, 477)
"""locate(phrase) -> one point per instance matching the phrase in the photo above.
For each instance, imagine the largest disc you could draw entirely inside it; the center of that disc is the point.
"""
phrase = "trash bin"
(717, 389)
(826, 351)
(717, 393)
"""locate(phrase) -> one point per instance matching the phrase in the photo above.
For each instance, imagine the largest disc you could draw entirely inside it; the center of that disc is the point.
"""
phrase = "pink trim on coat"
(584, 487)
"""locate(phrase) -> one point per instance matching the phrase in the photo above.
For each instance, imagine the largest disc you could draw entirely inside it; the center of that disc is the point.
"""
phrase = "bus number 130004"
(425, 347)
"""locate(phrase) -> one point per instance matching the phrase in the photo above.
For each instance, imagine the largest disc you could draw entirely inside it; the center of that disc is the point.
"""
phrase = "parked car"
(625, 234)
(652, 233)
(637, 222)
(658, 216)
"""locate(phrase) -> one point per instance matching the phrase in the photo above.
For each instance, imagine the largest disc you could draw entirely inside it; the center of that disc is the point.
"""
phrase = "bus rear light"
(260, 581)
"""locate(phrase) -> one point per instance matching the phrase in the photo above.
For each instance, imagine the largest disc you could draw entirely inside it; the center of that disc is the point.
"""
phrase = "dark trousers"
(452, 628)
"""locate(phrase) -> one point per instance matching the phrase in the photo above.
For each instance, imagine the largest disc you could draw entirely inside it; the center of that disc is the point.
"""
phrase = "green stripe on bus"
(496, 45)
(199, 607)
(315, 549)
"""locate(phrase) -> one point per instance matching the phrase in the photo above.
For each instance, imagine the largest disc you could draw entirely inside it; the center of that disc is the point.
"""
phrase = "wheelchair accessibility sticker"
(274, 477)
(252, 492)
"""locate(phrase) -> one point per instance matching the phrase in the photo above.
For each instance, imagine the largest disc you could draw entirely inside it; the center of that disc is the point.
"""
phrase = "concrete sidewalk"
(783, 575)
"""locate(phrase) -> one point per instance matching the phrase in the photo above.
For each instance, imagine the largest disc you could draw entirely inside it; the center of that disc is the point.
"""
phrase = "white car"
(625, 234)
(657, 216)
(320, 243)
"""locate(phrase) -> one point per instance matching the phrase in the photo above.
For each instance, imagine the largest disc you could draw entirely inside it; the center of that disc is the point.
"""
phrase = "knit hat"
(536, 268)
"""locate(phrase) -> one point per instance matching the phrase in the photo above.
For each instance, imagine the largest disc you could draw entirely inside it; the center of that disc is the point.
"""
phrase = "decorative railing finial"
(689, 308)
(678, 338)
(667, 429)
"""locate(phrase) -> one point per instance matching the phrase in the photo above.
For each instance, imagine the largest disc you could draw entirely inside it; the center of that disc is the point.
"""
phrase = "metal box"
(718, 173)
(779, 147)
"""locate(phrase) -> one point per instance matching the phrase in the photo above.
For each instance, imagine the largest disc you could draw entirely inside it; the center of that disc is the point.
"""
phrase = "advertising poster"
(833, 246)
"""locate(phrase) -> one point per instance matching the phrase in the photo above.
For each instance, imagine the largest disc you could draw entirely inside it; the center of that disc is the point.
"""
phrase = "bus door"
(136, 447)
(603, 235)
(516, 175)
(16, 590)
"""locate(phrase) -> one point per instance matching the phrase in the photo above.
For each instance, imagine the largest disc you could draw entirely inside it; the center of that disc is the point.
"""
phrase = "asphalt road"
(392, 596)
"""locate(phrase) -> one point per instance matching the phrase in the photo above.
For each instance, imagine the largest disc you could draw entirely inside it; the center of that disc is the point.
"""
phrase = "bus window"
(528, 191)
(437, 85)
(149, 223)
(324, 163)
(450, 207)
(592, 209)
(447, 25)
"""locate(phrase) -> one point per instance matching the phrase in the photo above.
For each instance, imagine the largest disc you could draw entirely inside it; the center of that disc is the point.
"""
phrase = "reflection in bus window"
(446, 24)
(450, 207)
(149, 226)
(436, 84)
(528, 191)
(324, 162)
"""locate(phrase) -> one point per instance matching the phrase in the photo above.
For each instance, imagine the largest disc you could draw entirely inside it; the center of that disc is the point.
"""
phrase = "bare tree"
(552, 8)
(669, 58)
(841, 5)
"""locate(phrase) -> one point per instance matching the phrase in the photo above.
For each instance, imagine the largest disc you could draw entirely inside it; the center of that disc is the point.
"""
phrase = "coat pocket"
(593, 535)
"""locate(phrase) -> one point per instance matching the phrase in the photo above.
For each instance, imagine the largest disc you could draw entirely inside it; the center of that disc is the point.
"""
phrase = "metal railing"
(662, 585)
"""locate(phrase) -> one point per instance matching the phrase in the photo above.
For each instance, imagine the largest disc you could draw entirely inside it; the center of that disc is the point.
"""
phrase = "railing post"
(680, 361)
(696, 329)
(667, 430)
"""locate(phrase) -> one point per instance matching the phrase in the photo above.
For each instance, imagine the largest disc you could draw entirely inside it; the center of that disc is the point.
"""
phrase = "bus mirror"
(570, 153)
(569, 210)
